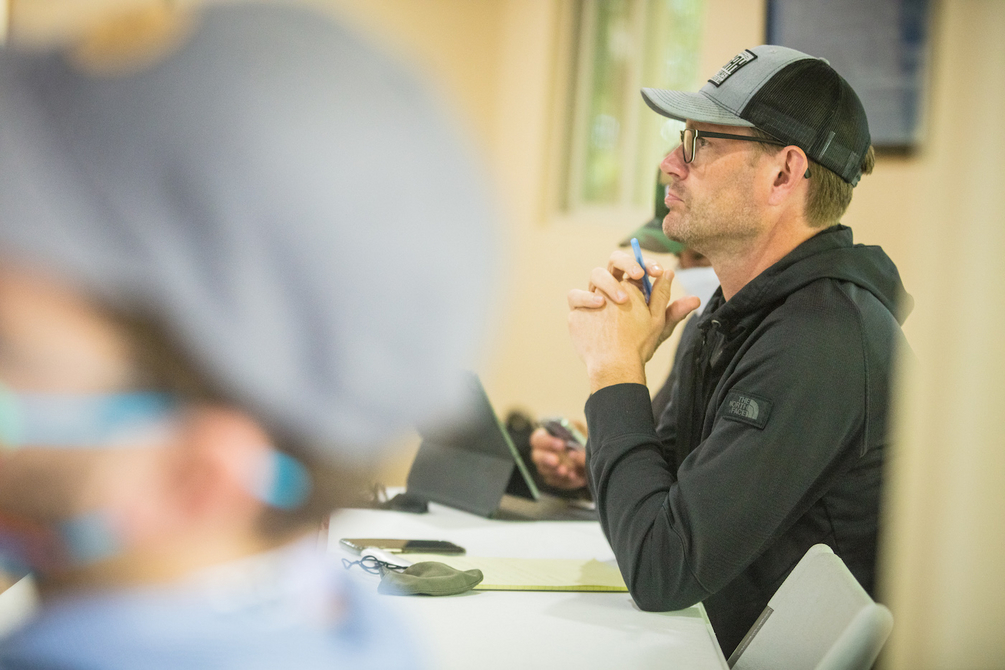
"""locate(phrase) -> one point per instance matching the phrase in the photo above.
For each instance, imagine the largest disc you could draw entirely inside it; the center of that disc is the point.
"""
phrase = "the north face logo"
(746, 408)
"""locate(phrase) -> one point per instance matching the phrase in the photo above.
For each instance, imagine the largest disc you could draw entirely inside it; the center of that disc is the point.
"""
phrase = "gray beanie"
(288, 201)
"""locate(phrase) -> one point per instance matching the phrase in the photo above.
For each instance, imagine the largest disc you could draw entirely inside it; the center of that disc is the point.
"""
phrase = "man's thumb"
(660, 297)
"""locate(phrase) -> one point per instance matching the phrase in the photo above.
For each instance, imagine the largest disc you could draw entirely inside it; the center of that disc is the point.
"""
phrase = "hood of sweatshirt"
(831, 254)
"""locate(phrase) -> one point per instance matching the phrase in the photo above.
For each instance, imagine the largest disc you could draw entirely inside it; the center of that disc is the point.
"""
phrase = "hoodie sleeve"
(788, 417)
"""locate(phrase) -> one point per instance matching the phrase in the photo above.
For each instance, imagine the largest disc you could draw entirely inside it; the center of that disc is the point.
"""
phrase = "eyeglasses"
(83, 420)
(373, 565)
(139, 418)
(689, 140)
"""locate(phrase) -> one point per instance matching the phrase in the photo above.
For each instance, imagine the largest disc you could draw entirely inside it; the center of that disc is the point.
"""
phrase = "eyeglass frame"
(373, 565)
(723, 136)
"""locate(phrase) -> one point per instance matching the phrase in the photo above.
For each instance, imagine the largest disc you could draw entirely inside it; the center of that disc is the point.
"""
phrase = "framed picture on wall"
(879, 46)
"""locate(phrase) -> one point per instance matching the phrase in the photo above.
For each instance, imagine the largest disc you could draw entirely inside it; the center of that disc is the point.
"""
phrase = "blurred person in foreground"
(199, 350)
(562, 470)
(775, 439)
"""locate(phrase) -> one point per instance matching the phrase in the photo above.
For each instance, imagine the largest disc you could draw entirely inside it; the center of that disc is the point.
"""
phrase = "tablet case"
(470, 466)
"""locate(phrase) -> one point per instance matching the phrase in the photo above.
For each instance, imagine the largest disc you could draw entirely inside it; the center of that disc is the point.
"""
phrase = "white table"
(511, 630)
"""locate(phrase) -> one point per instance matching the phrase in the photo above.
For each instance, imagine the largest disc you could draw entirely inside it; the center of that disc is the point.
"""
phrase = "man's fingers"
(578, 298)
(577, 458)
(568, 471)
(604, 282)
(541, 439)
(548, 453)
(661, 293)
(678, 309)
(622, 264)
(670, 313)
(545, 460)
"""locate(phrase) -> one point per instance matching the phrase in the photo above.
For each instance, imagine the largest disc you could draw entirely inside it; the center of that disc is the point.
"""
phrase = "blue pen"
(647, 288)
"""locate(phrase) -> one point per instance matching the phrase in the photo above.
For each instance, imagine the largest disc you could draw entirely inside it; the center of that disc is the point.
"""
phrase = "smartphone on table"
(392, 546)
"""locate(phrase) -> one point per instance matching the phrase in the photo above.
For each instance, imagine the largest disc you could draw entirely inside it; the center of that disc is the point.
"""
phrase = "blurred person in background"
(200, 355)
(561, 470)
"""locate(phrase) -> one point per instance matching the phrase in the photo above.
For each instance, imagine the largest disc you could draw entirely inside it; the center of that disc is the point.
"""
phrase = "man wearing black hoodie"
(774, 438)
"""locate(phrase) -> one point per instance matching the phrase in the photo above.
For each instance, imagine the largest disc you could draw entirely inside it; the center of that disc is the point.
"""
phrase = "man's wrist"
(610, 373)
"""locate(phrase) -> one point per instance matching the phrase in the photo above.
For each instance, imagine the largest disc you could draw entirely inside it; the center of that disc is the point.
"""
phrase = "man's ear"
(219, 452)
(789, 168)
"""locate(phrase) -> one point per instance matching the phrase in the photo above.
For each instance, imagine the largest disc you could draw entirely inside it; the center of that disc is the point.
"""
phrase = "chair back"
(820, 618)
(17, 604)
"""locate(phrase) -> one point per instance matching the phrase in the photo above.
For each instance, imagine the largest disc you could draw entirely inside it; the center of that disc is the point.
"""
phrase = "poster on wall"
(879, 46)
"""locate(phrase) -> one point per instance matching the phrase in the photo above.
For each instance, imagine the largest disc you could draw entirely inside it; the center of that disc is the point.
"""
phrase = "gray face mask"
(700, 282)
(429, 578)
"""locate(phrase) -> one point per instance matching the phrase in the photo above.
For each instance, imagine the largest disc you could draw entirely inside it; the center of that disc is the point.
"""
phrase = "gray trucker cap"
(794, 97)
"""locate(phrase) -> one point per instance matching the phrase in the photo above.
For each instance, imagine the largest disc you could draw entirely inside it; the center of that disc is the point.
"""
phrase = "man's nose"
(673, 163)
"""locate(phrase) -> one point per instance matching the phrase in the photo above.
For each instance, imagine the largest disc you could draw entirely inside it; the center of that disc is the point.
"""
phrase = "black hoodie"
(773, 440)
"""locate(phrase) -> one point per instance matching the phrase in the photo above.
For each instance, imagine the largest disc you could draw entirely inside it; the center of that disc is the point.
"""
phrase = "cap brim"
(651, 238)
(695, 106)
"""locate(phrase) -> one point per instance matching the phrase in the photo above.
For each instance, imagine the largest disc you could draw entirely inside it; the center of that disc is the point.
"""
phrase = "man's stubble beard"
(719, 222)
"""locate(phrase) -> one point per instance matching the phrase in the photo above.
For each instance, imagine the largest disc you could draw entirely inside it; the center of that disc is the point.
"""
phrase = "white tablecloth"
(515, 630)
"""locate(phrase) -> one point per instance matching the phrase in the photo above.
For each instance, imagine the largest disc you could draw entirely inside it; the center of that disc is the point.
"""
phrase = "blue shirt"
(288, 608)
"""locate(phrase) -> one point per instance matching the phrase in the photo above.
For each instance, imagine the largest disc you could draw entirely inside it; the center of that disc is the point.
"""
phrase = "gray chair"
(819, 619)
(17, 604)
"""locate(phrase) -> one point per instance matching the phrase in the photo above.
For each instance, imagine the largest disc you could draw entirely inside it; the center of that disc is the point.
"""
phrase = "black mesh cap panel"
(810, 105)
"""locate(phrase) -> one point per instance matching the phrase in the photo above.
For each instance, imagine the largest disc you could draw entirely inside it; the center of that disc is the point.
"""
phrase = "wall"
(944, 571)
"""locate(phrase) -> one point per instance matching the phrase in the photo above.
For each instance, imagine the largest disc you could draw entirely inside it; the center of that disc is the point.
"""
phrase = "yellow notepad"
(534, 574)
